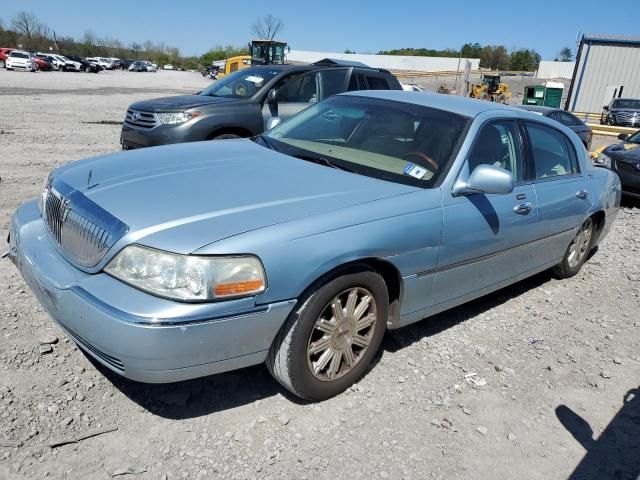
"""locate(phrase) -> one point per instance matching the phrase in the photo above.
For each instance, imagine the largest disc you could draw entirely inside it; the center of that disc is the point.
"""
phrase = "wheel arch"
(390, 274)
(230, 130)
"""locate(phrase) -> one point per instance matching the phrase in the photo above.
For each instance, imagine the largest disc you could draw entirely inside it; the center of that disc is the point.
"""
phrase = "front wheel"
(577, 251)
(332, 335)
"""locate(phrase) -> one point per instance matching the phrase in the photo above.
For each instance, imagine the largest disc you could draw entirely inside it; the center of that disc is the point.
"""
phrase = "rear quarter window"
(377, 83)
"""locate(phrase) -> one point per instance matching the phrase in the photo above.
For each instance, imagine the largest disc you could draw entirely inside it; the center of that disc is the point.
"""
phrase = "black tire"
(288, 358)
(567, 269)
(611, 121)
(226, 136)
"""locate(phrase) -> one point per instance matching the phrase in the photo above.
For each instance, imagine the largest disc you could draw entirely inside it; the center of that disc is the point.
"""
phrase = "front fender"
(297, 253)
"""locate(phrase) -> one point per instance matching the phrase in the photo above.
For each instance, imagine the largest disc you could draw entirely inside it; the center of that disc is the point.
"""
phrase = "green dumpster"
(553, 94)
(533, 95)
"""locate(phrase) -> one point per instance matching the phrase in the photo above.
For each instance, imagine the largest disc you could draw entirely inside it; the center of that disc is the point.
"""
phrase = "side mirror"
(623, 136)
(272, 96)
(606, 107)
(273, 122)
(487, 179)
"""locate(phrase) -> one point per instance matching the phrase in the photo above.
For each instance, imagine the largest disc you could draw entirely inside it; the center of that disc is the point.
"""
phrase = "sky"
(194, 26)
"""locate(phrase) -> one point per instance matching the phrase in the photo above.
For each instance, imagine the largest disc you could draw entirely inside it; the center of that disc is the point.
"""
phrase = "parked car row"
(34, 61)
(14, 59)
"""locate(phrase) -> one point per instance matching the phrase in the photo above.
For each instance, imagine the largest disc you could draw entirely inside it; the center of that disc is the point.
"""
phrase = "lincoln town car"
(300, 247)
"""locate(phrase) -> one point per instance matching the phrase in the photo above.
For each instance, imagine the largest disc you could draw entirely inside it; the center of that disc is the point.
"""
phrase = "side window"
(333, 81)
(570, 120)
(377, 83)
(233, 67)
(551, 151)
(299, 88)
(498, 144)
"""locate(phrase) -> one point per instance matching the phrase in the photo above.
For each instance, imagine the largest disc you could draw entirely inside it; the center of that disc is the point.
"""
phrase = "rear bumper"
(137, 335)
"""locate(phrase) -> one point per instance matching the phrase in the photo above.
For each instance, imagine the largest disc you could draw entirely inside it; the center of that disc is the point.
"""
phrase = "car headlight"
(173, 118)
(603, 160)
(188, 278)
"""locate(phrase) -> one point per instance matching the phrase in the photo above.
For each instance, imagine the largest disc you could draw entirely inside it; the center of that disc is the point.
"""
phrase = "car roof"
(538, 108)
(462, 106)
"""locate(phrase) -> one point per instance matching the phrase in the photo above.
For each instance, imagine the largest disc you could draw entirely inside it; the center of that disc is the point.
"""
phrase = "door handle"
(582, 194)
(523, 208)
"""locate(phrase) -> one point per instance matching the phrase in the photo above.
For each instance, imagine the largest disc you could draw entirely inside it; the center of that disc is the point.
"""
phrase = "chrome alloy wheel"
(580, 245)
(342, 333)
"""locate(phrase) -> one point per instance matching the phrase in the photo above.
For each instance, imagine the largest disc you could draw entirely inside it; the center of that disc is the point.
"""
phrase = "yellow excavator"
(491, 89)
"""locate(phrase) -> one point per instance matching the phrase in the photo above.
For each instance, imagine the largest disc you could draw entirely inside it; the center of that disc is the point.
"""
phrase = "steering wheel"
(244, 89)
(431, 163)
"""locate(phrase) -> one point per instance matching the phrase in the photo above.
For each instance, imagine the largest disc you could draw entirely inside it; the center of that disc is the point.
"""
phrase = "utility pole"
(458, 69)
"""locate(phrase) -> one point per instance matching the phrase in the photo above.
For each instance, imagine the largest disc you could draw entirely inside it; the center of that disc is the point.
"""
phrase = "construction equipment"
(233, 64)
(267, 52)
(491, 89)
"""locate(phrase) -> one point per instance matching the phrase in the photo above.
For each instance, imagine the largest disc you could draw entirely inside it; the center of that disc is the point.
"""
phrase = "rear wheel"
(332, 335)
(577, 252)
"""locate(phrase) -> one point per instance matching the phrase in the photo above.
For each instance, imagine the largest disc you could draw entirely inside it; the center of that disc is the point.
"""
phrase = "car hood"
(625, 150)
(178, 103)
(183, 197)
(626, 110)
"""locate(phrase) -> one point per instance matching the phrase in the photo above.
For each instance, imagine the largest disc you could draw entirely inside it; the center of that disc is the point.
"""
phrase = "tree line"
(495, 57)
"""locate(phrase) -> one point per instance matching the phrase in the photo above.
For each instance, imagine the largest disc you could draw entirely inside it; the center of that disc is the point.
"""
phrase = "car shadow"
(615, 453)
(200, 396)
(215, 393)
(630, 202)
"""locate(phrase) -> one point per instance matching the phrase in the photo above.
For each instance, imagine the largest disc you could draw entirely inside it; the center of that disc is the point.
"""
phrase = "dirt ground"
(535, 381)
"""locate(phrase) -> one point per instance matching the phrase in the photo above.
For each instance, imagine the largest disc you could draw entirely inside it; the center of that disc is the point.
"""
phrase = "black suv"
(621, 111)
(245, 103)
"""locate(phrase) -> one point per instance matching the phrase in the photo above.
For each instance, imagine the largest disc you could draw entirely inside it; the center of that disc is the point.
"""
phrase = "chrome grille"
(628, 117)
(83, 230)
(141, 120)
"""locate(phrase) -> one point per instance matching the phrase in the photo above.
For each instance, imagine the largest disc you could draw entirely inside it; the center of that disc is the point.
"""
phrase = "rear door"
(564, 197)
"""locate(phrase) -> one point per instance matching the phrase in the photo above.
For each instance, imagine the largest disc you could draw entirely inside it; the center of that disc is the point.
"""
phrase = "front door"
(486, 238)
(301, 90)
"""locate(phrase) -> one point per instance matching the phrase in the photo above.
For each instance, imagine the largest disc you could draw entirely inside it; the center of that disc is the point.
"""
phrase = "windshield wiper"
(323, 161)
(268, 143)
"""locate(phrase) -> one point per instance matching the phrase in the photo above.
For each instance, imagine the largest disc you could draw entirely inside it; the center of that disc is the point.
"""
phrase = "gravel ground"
(529, 382)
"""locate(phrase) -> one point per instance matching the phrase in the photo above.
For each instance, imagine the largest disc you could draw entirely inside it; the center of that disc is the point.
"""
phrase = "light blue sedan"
(300, 247)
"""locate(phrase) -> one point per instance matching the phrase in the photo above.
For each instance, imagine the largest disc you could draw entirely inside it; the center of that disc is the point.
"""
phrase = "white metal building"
(550, 69)
(607, 66)
(390, 62)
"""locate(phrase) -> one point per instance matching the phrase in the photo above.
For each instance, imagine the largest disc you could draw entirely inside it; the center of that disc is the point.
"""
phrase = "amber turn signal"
(232, 289)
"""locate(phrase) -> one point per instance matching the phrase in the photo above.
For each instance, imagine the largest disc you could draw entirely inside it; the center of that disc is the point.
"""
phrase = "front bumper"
(137, 335)
(629, 178)
(131, 138)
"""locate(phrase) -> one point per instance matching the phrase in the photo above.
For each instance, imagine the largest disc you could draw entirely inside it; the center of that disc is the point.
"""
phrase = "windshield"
(384, 139)
(635, 138)
(240, 84)
(635, 104)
